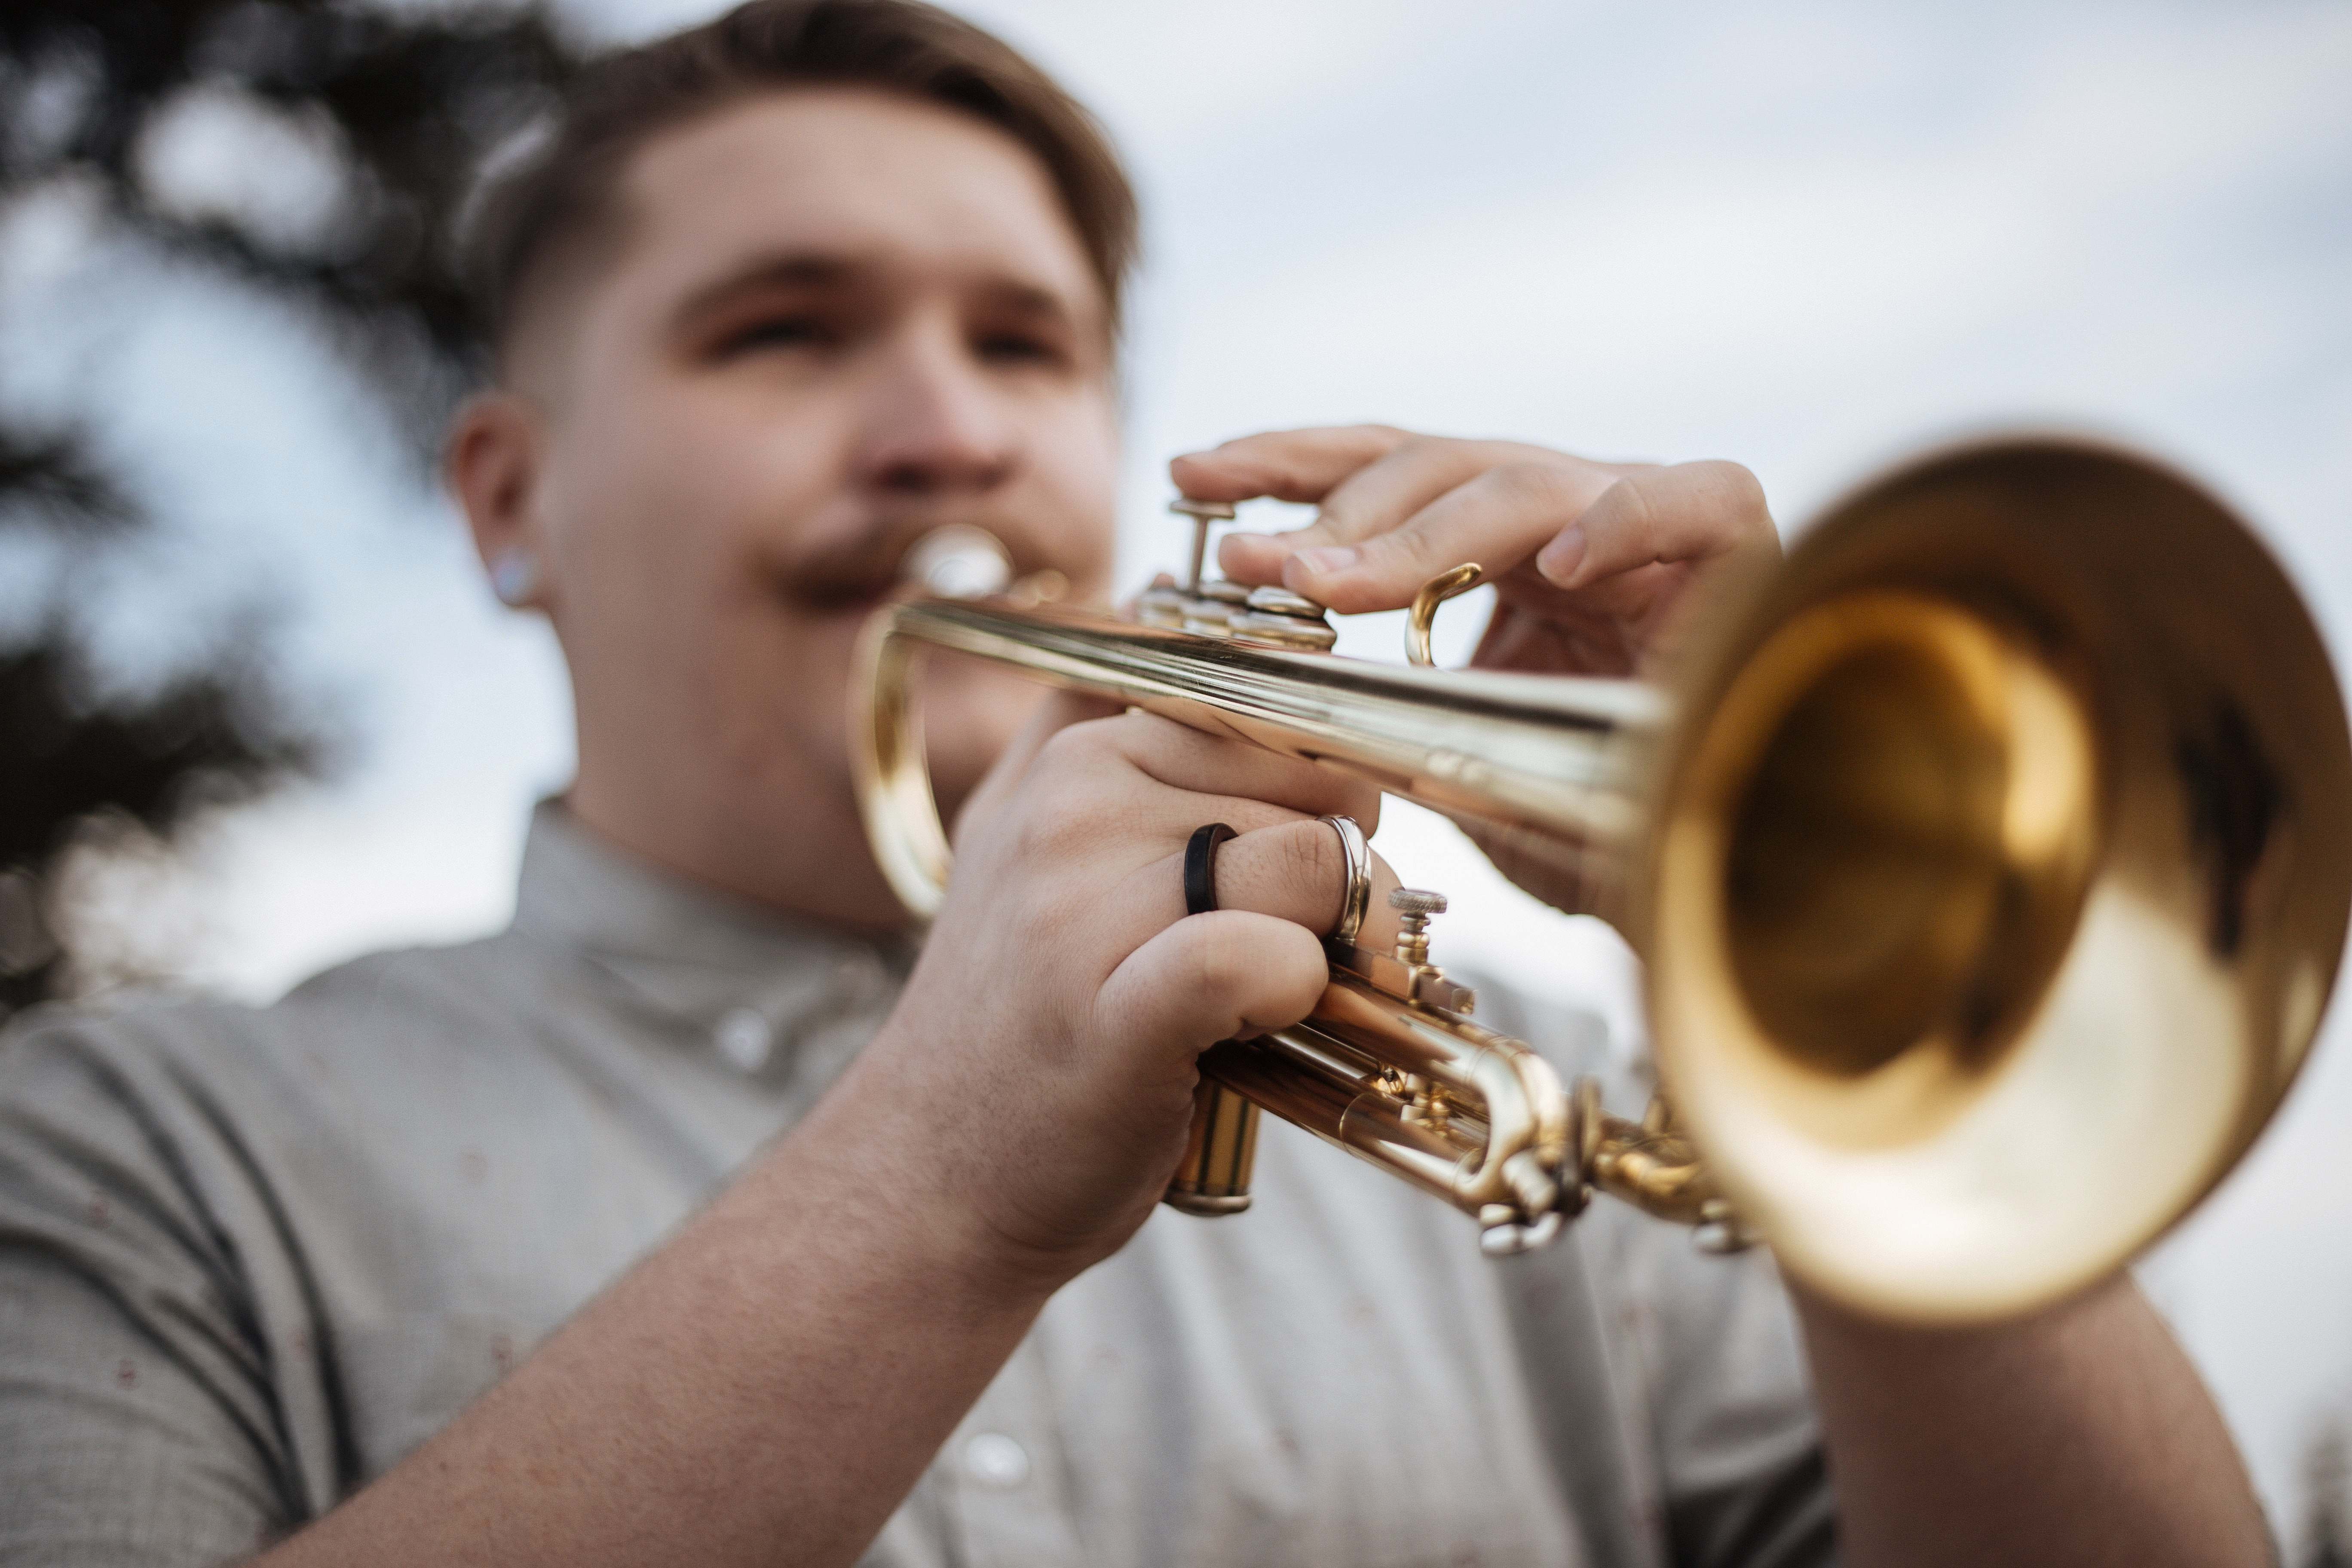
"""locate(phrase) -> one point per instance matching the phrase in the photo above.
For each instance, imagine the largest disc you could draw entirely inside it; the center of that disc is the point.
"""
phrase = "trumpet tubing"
(1989, 860)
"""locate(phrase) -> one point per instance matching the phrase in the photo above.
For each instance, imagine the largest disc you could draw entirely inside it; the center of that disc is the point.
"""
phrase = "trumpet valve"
(1162, 605)
(1277, 617)
(1204, 515)
(1210, 611)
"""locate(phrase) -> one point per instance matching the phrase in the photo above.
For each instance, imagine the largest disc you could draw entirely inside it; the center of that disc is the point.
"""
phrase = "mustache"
(851, 572)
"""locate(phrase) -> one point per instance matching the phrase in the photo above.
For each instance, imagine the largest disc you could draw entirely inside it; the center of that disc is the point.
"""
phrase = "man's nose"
(935, 423)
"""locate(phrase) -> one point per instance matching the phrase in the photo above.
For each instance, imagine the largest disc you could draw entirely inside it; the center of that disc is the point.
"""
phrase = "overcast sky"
(1805, 235)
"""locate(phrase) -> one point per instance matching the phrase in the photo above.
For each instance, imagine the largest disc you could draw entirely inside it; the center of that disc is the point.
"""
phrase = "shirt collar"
(747, 981)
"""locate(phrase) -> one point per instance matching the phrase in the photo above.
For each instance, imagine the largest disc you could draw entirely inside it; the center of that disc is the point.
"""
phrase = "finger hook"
(1433, 592)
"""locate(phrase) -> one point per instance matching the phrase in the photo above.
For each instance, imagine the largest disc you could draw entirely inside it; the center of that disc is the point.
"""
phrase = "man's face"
(831, 322)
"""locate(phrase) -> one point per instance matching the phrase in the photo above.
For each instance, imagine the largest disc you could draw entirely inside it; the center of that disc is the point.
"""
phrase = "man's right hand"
(1038, 1072)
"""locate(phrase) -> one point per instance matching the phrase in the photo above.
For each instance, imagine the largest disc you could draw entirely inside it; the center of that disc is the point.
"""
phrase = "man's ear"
(492, 464)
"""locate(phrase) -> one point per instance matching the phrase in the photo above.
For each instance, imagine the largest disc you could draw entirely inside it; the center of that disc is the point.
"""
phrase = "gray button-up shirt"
(251, 1258)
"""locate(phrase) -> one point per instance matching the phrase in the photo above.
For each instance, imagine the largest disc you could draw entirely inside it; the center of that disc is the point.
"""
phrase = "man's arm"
(2080, 1435)
(769, 1386)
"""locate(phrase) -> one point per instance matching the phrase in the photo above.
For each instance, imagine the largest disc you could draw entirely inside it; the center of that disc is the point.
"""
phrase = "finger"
(1227, 769)
(1230, 974)
(1286, 464)
(1293, 870)
(1499, 518)
(1630, 596)
(1383, 496)
(1373, 501)
(1692, 512)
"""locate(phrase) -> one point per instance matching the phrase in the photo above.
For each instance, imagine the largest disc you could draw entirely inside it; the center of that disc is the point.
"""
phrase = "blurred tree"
(343, 140)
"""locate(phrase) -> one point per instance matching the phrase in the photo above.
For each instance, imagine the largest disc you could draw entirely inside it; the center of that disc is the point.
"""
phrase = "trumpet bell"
(2000, 874)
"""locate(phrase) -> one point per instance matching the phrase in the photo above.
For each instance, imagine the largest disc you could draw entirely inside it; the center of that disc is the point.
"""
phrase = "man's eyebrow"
(1053, 309)
(797, 269)
(835, 268)
(1031, 299)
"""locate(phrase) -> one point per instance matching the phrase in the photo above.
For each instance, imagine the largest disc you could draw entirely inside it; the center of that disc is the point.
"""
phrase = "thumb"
(1227, 974)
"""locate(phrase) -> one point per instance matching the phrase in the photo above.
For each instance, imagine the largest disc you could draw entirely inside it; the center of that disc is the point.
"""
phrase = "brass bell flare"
(2000, 876)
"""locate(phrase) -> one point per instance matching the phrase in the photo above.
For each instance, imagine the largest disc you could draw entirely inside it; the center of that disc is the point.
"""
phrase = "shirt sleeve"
(137, 1423)
(1726, 1468)
(1746, 1481)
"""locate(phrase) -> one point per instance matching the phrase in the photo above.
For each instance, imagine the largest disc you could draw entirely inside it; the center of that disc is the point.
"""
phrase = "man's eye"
(1017, 348)
(777, 332)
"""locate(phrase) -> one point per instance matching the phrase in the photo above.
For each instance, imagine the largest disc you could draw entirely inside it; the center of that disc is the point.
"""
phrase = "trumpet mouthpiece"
(959, 562)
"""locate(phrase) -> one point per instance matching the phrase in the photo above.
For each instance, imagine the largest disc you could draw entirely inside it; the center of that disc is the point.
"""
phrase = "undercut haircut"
(544, 210)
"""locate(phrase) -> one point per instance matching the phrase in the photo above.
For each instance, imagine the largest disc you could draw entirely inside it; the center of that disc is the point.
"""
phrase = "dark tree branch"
(52, 480)
(415, 104)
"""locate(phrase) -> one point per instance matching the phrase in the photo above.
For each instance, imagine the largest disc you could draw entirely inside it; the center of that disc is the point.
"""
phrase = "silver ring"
(1358, 896)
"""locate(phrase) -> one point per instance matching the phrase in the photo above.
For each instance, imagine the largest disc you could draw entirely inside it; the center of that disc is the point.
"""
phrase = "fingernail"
(1327, 559)
(1558, 560)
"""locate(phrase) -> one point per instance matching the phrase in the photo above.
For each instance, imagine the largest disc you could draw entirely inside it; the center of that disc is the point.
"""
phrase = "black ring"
(1200, 868)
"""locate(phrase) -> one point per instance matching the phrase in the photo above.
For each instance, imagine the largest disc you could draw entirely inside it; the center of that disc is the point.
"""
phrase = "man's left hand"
(1590, 560)
(1592, 563)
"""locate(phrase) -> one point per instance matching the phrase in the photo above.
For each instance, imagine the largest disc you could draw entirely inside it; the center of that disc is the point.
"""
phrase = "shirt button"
(994, 1459)
(744, 1038)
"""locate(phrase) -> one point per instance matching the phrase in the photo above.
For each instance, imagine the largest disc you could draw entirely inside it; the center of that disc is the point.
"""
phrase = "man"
(695, 1220)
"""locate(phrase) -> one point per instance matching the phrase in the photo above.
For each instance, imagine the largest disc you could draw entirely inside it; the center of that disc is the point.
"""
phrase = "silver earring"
(514, 577)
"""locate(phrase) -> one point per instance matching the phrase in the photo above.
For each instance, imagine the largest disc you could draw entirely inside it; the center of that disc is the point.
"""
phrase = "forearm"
(766, 1388)
(2080, 1437)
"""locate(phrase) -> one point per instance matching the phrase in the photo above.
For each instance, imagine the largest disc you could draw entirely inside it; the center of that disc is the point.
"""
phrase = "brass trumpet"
(1989, 859)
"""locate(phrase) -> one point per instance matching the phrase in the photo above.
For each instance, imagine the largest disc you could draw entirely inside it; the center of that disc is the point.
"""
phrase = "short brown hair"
(555, 195)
